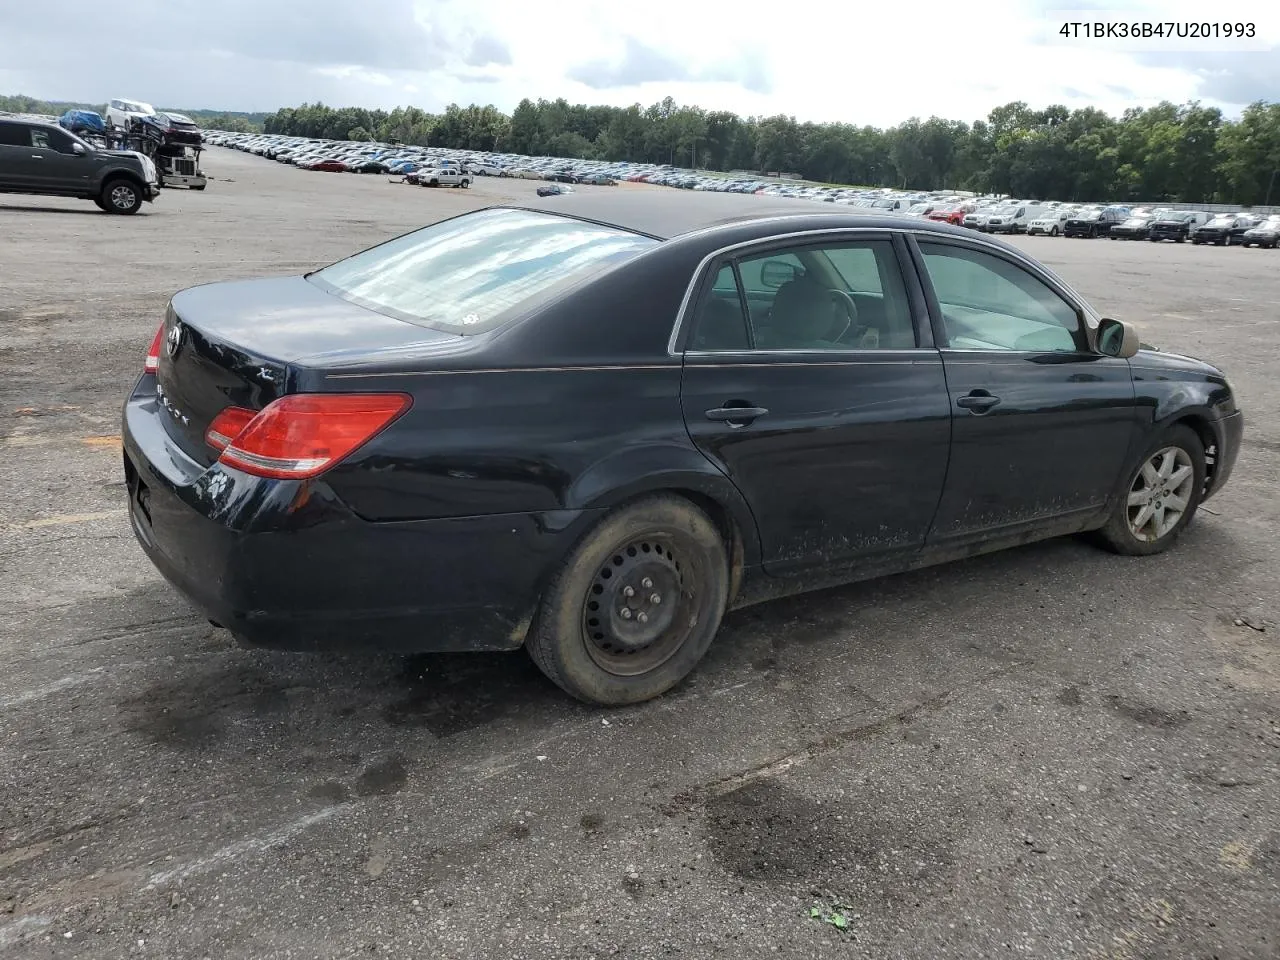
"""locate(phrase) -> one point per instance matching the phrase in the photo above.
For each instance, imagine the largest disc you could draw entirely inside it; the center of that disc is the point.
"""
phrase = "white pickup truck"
(444, 173)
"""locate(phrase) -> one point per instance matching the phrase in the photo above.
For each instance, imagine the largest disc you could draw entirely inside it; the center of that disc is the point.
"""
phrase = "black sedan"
(1225, 231)
(1265, 234)
(1134, 228)
(590, 425)
(554, 189)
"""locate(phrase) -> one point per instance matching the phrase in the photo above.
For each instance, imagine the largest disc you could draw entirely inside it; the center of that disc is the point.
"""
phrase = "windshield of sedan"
(466, 275)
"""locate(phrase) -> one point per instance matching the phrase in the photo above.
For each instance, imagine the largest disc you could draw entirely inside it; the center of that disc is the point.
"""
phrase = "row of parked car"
(991, 214)
(1116, 222)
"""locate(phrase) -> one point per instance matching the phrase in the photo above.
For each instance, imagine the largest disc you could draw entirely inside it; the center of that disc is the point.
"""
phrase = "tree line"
(1187, 153)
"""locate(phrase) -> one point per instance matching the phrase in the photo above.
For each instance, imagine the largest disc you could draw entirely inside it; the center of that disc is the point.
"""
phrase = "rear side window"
(838, 296)
(469, 274)
(14, 135)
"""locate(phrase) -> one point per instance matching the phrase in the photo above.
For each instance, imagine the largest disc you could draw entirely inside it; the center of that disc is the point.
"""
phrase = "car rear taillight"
(228, 425)
(303, 434)
(152, 363)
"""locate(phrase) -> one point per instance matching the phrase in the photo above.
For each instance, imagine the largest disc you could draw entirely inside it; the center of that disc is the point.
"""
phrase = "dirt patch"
(860, 850)
(449, 695)
(383, 778)
(1148, 715)
(193, 712)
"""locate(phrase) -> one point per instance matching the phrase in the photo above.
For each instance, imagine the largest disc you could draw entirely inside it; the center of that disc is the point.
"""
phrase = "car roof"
(666, 214)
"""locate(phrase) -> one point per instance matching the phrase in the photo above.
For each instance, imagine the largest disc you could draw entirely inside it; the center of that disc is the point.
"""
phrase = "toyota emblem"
(174, 338)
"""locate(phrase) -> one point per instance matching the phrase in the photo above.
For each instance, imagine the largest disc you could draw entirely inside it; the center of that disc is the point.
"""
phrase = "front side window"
(988, 303)
(469, 274)
(845, 296)
(43, 139)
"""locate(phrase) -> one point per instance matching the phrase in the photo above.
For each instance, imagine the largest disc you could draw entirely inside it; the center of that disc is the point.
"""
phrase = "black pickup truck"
(41, 158)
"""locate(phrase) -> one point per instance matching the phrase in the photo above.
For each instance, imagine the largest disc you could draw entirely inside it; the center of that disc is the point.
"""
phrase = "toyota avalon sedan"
(590, 425)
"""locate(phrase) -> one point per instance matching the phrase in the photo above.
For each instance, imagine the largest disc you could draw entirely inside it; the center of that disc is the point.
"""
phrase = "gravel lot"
(1052, 752)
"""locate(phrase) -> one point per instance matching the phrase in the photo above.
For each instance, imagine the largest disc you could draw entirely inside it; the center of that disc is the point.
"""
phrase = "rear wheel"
(636, 604)
(121, 196)
(1161, 497)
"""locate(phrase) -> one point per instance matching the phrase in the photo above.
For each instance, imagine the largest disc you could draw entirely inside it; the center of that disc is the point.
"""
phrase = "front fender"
(659, 466)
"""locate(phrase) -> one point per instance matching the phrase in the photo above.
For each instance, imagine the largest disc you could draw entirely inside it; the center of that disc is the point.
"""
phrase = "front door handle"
(736, 415)
(37, 156)
(979, 401)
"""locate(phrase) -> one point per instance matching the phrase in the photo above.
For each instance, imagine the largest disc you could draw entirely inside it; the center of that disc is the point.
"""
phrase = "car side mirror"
(774, 273)
(1117, 339)
(78, 149)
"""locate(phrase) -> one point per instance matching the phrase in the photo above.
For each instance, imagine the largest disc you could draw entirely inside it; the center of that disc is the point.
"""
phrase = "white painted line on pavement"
(39, 693)
(233, 851)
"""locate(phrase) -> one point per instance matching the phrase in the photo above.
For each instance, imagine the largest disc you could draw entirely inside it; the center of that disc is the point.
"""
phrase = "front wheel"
(636, 604)
(1161, 497)
(121, 196)
(1053, 232)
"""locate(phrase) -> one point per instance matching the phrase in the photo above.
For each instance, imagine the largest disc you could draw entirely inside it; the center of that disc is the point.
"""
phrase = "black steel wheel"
(636, 604)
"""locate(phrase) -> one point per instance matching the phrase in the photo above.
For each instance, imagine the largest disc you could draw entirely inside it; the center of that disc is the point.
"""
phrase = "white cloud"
(872, 63)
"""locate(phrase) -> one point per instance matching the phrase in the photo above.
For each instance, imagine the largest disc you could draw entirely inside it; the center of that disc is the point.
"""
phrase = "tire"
(1180, 447)
(1053, 232)
(121, 196)
(1179, 239)
(198, 186)
(433, 183)
(661, 543)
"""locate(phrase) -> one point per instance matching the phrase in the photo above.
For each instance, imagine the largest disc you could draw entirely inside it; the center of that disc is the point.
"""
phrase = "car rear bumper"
(285, 564)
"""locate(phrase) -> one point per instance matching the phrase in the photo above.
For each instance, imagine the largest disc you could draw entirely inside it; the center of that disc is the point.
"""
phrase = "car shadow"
(319, 714)
(26, 208)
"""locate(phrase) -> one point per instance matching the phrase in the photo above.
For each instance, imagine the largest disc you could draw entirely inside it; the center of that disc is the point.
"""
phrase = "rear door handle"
(979, 401)
(736, 416)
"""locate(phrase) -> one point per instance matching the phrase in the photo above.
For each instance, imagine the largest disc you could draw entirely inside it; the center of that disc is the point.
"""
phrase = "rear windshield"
(468, 274)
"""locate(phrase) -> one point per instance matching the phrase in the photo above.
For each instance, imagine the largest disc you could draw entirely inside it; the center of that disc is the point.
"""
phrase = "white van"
(1012, 218)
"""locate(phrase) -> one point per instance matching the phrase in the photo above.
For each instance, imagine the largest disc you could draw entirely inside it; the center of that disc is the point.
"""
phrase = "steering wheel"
(850, 309)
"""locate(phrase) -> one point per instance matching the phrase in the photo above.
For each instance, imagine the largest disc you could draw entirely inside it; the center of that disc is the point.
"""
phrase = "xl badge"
(174, 338)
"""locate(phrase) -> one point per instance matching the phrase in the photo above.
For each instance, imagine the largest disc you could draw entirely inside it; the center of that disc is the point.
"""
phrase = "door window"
(988, 303)
(847, 296)
(14, 135)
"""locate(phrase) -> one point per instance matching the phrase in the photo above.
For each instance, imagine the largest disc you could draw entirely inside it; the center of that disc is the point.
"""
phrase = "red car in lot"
(333, 166)
(945, 214)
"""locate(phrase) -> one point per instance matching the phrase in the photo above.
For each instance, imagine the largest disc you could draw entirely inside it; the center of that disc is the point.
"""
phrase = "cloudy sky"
(869, 62)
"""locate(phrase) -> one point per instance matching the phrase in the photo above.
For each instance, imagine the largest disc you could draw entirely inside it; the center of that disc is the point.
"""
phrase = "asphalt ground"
(1051, 752)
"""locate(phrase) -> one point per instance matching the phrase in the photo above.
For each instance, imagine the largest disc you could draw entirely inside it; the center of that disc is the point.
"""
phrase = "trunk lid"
(237, 344)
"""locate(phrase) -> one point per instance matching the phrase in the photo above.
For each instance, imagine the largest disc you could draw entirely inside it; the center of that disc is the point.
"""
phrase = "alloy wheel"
(1160, 494)
(122, 197)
